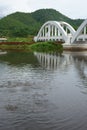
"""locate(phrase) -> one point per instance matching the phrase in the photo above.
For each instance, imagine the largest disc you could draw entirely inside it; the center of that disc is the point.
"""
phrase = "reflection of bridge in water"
(80, 62)
(63, 62)
(53, 60)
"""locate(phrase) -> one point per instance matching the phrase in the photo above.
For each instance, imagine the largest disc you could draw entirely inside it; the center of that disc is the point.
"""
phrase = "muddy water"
(40, 91)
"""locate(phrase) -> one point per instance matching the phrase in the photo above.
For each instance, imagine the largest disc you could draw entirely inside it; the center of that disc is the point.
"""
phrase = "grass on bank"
(20, 39)
(39, 47)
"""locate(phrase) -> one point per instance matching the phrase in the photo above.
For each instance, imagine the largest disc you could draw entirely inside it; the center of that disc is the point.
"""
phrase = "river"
(42, 91)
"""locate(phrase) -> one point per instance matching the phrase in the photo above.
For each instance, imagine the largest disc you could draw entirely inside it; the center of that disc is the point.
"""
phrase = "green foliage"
(46, 47)
(23, 24)
(44, 15)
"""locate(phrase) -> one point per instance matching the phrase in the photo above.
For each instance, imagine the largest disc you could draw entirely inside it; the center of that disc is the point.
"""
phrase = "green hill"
(24, 24)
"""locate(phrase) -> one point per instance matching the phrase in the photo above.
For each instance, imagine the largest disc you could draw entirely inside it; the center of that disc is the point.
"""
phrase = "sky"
(72, 8)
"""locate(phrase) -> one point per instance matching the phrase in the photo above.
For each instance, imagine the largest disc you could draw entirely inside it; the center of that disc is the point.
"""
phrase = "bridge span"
(62, 32)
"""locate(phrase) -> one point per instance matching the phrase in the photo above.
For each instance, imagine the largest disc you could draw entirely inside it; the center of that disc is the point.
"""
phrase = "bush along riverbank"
(39, 47)
(46, 47)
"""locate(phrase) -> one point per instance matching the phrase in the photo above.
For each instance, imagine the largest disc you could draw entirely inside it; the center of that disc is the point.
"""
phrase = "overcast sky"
(70, 8)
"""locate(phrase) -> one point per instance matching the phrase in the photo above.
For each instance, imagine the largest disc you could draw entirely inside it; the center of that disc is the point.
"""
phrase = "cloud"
(9, 6)
(70, 8)
(4, 9)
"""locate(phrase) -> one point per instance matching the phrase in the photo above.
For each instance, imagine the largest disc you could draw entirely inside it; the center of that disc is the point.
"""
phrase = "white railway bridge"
(62, 31)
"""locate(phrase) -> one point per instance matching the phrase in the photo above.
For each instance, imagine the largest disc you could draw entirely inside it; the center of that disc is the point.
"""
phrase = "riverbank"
(75, 47)
(40, 46)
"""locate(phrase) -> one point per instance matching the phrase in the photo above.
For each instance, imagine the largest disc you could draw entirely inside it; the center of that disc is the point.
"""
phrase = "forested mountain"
(24, 24)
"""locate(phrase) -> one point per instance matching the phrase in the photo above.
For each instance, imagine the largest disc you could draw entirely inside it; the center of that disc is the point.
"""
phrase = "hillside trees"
(21, 24)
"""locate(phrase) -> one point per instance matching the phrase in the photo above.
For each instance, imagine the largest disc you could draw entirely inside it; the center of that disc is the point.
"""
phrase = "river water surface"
(40, 91)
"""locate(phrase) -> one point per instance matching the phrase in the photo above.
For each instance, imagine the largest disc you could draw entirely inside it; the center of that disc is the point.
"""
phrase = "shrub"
(46, 47)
